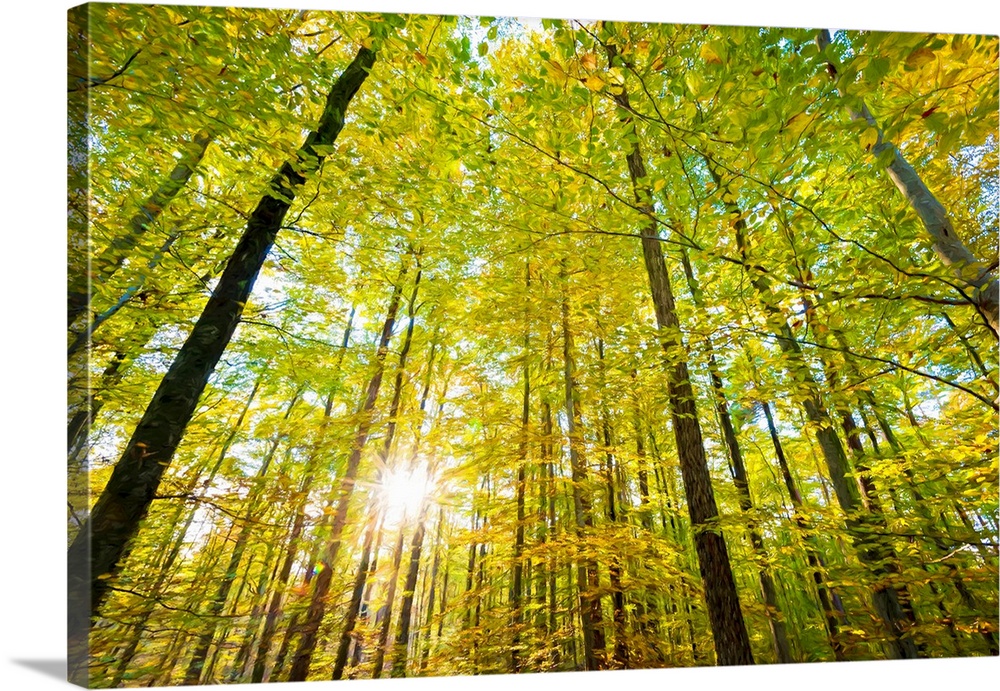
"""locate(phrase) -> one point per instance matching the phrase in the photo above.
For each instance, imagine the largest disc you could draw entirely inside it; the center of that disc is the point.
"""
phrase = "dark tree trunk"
(829, 602)
(103, 540)
(295, 538)
(361, 576)
(399, 655)
(517, 585)
(775, 619)
(364, 569)
(620, 655)
(732, 642)
(165, 568)
(890, 603)
(386, 612)
(435, 566)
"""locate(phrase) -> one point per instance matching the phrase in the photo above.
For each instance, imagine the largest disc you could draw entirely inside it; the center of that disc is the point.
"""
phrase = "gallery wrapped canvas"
(417, 345)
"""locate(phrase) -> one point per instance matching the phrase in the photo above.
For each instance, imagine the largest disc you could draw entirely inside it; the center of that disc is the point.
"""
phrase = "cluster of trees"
(419, 345)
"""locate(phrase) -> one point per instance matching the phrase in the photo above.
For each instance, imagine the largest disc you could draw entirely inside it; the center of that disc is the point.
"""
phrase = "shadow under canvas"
(50, 667)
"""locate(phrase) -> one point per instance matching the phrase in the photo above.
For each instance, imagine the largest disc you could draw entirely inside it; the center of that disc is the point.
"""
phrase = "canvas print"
(412, 345)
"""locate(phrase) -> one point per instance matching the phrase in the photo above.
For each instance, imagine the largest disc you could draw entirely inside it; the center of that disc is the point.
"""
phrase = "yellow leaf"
(558, 72)
(589, 61)
(919, 58)
(594, 83)
(712, 53)
(868, 138)
(659, 185)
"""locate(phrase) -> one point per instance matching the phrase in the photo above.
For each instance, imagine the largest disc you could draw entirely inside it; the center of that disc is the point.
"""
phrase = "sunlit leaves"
(497, 150)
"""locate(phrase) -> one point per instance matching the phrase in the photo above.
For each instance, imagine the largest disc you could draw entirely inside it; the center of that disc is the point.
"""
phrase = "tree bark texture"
(732, 642)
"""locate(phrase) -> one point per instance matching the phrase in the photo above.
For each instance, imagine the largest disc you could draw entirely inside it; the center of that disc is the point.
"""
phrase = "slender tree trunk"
(298, 525)
(551, 495)
(444, 594)
(973, 353)
(470, 573)
(587, 575)
(620, 656)
(390, 598)
(890, 602)
(732, 642)
(779, 634)
(362, 574)
(84, 336)
(517, 585)
(429, 616)
(93, 401)
(829, 602)
(218, 601)
(165, 569)
(114, 520)
(309, 630)
(409, 588)
(240, 670)
(948, 245)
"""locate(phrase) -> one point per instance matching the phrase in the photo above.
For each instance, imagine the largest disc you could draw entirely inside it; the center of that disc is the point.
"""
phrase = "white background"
(32, 294)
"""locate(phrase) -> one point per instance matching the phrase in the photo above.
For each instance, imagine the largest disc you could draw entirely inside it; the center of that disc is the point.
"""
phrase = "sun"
(403, 491)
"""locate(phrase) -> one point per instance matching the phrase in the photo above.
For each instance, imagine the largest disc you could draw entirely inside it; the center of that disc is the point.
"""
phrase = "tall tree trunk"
(363, 573)
(165, 568)
(309, 630)
(295, 538)
(550, 518)
(833, 611)
(385, 613)
(973, 273)
(620, 656)
(779, 634)
(435, 566)
(889, 601)
(348, 635)
(732, 642)
(517, 585)
(399, 656)
(470, 572)
(240, 669)
(99, 547)
(587, 574)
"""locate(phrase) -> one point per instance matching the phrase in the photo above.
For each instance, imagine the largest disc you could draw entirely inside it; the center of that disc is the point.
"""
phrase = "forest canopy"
(409, 345)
